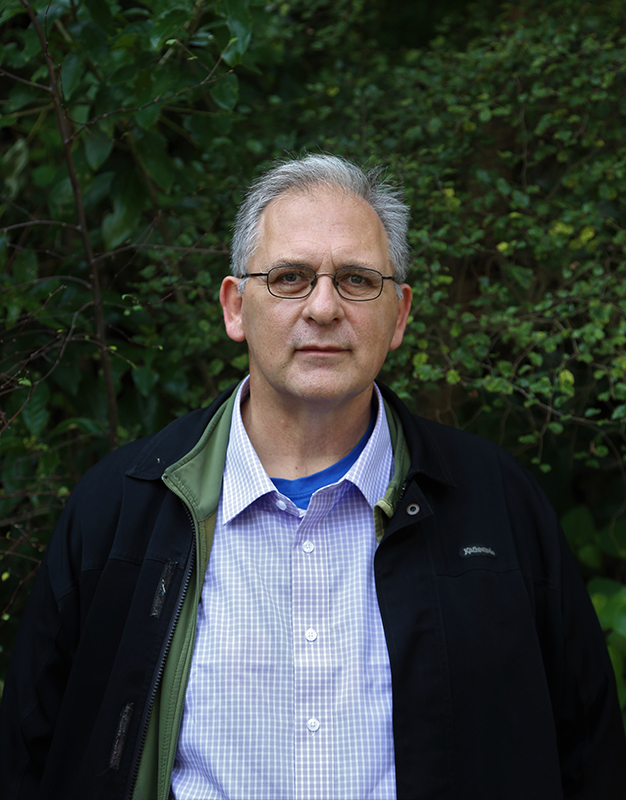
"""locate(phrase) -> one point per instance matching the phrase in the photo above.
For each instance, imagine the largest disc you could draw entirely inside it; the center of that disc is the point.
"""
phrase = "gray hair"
(306, 173)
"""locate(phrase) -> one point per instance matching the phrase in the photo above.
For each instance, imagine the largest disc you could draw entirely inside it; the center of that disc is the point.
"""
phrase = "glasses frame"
(332, 275)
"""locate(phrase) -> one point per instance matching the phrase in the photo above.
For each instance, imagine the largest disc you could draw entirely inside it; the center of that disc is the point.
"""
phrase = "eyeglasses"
(296, 283)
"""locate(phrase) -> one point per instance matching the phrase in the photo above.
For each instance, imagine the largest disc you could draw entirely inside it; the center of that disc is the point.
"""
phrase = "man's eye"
(290, 277)
(356, 279)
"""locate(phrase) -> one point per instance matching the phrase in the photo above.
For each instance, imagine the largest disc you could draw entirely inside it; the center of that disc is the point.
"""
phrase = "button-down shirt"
(289, 694)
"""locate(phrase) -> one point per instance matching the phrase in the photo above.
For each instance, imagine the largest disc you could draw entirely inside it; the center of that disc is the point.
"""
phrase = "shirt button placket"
(314, 762)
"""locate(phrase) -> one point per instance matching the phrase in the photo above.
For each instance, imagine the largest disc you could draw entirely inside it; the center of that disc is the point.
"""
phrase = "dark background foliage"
(128, 133)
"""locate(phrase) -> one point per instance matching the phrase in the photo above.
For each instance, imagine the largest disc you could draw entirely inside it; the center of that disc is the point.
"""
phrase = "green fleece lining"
(386, 506)
(197, 480)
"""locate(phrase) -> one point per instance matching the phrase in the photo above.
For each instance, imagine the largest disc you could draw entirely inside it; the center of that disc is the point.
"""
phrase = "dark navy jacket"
(502, 686)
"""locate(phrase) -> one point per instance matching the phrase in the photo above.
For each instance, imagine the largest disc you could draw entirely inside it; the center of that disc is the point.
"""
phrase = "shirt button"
(281, 504)
(308, 547)
(313, 724)
(310, 635)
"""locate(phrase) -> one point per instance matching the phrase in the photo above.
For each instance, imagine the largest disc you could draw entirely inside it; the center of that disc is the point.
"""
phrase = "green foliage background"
(128, 134)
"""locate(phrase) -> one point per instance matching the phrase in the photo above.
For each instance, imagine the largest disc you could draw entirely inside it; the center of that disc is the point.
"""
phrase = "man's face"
(321, 348)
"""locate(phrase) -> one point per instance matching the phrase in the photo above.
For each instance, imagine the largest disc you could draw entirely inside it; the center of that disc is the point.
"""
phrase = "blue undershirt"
(299, 491)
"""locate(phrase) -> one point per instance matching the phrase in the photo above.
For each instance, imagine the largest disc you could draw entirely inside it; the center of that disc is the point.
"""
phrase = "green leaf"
(9, 10)
(240, 27)
(614, 612)
(590, 556)
(617, 661)
(13, 164)
(145, 379)
(44, 175)
(161, 170)
(72, 70)
(612, 539)
(167, 25)
(25, 267)
(619, 412)
(147, 117)
(226, 92)
(579, 527)
(604, 586)
(35, 413)
(120, 225)
(82, 424)
(127, 204)
(98, 190)
(60, 194)
(100, 13)
(97, 149)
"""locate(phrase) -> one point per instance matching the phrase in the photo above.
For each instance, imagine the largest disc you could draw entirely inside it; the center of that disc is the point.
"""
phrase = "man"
(303, 591)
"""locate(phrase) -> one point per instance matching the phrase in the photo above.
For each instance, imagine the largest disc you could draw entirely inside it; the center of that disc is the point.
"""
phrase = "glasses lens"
(290, 281)
(358, 283)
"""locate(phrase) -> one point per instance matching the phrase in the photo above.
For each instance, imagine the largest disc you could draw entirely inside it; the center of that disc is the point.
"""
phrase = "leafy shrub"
(127, 142)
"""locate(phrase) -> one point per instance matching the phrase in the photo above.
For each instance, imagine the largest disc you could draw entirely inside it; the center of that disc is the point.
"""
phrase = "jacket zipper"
(163, 657)
(176, 729)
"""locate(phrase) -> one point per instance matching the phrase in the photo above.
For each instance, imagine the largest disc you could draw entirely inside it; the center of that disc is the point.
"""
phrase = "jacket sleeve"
(34, 688)
(587, 716)
(47, 640)
(590, 730)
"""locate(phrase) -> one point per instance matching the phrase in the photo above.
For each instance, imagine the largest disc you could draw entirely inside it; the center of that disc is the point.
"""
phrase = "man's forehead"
(316, 192)
(318, 206)
(321, 222)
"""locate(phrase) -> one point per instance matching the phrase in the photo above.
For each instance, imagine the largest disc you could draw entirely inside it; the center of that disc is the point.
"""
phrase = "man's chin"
(324, 386)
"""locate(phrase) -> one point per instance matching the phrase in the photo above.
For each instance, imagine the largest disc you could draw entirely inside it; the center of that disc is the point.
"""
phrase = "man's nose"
(324, 302)
(332, 285)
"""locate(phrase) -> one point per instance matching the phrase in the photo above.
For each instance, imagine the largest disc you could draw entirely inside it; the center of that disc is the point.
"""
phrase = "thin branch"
(17, 591)
(21, 248)
(174, 248)
(66, 138)
(124, 110)
(86, 284)
(22, 80)
(39, 222)
(26, 112)
(6, 553)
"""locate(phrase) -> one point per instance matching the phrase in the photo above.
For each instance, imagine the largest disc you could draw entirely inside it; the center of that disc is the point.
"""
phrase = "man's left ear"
(231, 302)
(404, 307)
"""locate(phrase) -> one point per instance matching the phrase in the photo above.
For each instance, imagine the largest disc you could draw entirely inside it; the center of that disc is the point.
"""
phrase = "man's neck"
(296, 440)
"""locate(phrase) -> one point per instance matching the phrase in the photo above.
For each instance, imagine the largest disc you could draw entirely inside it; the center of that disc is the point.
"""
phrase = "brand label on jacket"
(477, 550)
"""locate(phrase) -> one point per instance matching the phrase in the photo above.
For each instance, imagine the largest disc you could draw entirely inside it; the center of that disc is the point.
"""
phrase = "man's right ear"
(231, 302)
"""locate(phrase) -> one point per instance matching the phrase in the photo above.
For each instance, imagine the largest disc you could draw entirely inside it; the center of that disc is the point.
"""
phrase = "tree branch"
(66, 138)
(39, 222)
(173, 248)
(124, 110)
(22, 80)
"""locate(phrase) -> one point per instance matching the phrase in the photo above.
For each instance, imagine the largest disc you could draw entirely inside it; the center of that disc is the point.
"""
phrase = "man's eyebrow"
(294, 262)
(289, 262)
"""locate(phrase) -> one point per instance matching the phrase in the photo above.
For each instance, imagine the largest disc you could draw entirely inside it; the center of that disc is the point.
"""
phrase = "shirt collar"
(372, 471)
(245, 479)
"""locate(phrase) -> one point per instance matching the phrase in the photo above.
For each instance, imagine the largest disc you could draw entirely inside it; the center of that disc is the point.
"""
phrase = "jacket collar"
(177, 439)
(425, 456)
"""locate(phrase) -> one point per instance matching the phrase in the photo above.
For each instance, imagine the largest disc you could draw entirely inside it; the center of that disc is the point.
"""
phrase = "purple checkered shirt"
(289, 694)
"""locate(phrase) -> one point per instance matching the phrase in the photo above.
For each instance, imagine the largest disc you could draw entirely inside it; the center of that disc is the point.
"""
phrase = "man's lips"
(314, 348)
